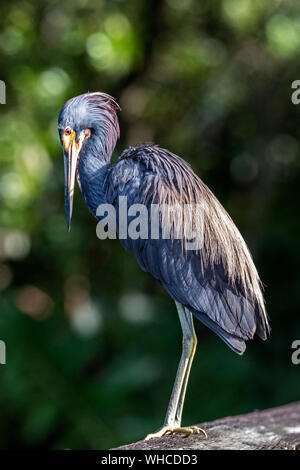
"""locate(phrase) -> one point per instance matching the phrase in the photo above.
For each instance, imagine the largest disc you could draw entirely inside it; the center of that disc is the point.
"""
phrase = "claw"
(166, 430)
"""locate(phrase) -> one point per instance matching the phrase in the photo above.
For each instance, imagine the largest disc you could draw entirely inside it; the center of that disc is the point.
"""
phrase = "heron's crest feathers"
(95, 111)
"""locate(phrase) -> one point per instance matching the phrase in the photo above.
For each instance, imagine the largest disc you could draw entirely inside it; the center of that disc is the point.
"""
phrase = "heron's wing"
(218, 282)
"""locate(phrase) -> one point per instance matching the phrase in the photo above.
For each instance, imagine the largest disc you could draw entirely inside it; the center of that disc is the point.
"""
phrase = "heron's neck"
(92, 172)
(94, 161)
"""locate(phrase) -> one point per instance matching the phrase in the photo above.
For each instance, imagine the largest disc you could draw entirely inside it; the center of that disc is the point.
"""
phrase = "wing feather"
(218, 283)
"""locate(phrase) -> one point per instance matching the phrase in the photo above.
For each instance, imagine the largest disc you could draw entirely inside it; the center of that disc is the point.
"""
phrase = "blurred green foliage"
(92, 342)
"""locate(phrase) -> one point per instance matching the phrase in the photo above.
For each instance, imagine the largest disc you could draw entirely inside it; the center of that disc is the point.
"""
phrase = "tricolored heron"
(216, 283)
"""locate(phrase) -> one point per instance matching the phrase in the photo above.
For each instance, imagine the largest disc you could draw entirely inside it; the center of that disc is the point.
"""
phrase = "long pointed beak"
(71, 155)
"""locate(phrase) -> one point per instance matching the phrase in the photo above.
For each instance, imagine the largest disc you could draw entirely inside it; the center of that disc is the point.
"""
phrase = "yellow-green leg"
(172, 423)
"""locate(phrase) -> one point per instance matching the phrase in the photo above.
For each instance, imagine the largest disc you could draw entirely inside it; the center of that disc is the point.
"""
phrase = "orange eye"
(68, 131)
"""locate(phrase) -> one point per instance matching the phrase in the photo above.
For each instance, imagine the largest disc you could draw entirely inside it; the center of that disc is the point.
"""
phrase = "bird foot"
(166, 430)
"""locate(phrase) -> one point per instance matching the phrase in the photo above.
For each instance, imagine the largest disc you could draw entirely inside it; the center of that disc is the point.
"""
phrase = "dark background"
(92, 342)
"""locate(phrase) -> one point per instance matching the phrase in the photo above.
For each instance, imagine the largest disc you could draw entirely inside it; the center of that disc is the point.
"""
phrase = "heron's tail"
(236, 337)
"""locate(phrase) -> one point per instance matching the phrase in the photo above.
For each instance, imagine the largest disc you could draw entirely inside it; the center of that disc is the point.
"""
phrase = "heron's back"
(218, 282)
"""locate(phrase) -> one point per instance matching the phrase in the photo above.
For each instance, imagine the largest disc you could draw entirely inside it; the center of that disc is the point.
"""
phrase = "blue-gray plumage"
(217, 283)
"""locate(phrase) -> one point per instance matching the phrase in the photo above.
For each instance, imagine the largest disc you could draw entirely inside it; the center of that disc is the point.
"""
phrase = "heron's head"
(87, 125)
